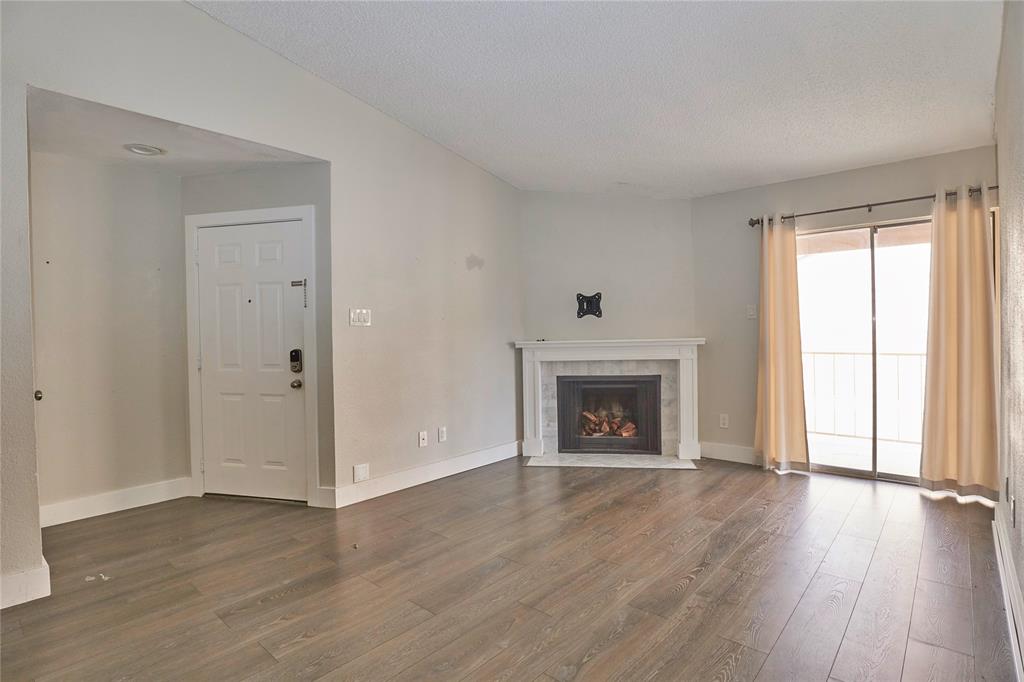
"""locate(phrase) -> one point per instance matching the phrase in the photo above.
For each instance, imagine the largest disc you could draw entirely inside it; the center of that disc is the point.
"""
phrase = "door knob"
(297, 383)
(38, 395)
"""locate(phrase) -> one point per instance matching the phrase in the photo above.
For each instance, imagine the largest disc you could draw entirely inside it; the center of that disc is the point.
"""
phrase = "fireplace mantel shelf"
(612, 343)
(681, 351)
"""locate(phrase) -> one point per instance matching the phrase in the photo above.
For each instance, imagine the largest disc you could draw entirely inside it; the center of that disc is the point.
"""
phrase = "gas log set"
(606, 425)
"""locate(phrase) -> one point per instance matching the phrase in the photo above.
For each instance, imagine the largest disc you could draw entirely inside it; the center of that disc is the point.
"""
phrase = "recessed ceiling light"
(143, 149)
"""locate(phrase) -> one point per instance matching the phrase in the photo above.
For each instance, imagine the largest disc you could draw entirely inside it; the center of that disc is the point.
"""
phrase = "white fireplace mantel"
(683, 351)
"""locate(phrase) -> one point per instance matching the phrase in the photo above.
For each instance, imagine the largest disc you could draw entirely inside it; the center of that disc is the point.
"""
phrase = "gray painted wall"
(1010, 144)
(108, 276)
(636, 251)
(21, 548)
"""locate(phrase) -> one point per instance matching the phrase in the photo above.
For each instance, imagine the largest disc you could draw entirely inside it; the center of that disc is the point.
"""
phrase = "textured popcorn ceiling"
(682, 99)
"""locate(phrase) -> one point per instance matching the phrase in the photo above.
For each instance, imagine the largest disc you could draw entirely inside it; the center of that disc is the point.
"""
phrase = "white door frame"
(193, 223)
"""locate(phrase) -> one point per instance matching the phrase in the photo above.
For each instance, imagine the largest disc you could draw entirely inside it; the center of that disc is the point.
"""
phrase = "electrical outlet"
(423, 439)
(723, 421)
(361, 472)
(751, 312)
(359, 317)
(442, 434)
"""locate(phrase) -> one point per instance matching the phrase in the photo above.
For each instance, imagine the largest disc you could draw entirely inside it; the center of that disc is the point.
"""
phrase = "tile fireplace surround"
(674, 359)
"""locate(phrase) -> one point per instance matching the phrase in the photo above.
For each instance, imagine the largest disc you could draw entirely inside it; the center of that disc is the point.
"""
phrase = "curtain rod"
(755, 222)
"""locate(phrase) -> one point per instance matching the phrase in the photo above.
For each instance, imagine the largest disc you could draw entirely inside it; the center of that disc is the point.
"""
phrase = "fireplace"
(619, 414)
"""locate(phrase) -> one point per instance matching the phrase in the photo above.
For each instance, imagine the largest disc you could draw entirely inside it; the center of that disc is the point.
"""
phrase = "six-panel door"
(251, 317)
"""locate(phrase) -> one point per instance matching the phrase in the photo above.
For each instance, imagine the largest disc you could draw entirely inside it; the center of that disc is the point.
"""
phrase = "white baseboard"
(18, 588)
(375, 487)
(742, 454)
(688, 449)
(1011, 592)
(531, 447)
(326, 498)
(115, 500)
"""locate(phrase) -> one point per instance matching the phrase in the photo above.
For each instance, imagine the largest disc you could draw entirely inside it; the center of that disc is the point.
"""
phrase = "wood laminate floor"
(506, 572)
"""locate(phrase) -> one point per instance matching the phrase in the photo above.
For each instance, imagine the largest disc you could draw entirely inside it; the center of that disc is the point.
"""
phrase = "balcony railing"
(838, 390)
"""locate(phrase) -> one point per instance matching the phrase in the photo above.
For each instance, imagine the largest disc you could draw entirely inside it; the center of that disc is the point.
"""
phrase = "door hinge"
(199, 363)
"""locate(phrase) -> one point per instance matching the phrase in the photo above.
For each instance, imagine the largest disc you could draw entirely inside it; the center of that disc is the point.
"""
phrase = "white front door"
(251, 299)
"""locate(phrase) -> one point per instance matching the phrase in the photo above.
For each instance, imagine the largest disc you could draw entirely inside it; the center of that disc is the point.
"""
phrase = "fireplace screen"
(609, 414)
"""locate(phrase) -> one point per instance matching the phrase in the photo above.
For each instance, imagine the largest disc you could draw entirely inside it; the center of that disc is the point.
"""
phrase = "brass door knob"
(297, 383)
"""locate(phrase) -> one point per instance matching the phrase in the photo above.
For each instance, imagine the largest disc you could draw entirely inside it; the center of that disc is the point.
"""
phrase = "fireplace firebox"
(600, 414)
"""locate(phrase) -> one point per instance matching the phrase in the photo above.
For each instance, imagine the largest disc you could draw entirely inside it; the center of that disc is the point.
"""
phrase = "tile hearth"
(611, 461)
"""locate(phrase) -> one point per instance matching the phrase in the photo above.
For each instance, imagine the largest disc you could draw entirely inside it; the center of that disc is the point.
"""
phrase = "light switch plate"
(723, 421)
(751, 312)
(359, 317)
(442, 434)
(361, 472)
(423, 439)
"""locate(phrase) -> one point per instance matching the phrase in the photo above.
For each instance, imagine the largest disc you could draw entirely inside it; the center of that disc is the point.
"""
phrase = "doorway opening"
(864, 329)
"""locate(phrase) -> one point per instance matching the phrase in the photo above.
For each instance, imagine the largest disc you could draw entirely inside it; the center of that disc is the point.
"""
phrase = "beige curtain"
(780, 433)
(959, 451)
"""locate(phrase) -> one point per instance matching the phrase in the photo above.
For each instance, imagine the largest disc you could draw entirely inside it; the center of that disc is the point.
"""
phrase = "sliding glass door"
(863, 322)
(834, 271)
(902, 270)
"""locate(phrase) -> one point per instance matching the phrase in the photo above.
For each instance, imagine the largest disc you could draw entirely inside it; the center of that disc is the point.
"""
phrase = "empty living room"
(521, 340)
